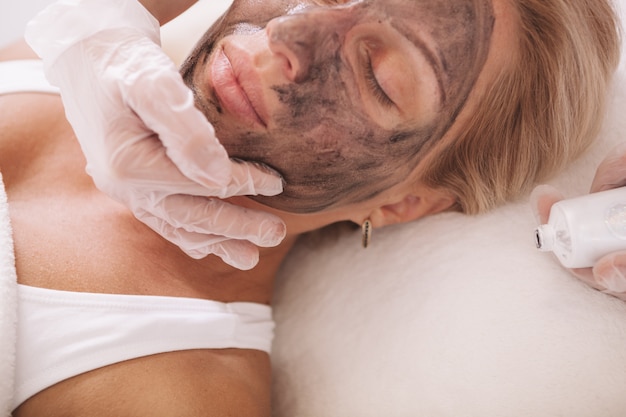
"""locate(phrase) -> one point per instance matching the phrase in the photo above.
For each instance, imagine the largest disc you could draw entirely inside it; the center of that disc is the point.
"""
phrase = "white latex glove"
(609, 273)
(146, 144)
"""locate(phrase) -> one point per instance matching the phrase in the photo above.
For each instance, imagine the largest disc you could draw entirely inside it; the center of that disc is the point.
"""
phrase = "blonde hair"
(541, 112)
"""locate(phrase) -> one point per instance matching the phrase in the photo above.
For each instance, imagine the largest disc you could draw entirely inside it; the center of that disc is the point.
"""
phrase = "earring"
(366, 229)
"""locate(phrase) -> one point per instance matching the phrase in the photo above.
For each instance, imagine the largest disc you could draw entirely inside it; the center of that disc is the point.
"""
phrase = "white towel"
(8, 297)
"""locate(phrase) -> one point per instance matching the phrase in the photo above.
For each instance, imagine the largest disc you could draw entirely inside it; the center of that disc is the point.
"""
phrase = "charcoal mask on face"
(322, 141)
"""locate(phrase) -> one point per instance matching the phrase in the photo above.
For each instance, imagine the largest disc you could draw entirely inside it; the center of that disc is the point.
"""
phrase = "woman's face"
(341, 98)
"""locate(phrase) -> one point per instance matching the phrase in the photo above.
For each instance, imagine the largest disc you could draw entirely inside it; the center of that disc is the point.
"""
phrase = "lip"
(236, 86)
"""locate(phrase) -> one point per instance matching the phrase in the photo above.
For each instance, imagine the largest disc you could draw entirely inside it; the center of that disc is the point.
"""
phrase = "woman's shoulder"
(18, 50)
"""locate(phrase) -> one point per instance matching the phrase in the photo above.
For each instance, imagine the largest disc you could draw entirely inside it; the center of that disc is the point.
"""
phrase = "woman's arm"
(198, 383)
(17, 50)
(166, 10)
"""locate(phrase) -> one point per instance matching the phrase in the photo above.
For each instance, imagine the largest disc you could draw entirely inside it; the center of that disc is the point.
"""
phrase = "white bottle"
(582, 230)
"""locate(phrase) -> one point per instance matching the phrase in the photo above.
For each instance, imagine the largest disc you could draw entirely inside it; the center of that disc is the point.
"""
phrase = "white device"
(582, 230)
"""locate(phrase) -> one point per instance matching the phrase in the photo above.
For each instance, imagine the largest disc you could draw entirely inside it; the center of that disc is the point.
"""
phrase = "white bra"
(61, 334)
(24, 76)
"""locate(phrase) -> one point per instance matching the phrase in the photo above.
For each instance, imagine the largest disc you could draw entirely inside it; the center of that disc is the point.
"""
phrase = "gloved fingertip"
(541, 199)
(274, 187)
(244, 263)
(239, 254)
(611, 276)
(275, 182)
(253, 178)
(275, 233)
(196, 254)
(244, 260)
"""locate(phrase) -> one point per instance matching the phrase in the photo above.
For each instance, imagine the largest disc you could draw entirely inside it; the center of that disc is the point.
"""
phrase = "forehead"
(445, 15)
(435, 12)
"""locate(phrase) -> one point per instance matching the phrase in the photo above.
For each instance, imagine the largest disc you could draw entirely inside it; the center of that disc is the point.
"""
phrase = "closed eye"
(373, 85)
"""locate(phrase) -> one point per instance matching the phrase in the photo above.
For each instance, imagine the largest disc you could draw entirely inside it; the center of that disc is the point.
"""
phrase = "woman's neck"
(258, 280)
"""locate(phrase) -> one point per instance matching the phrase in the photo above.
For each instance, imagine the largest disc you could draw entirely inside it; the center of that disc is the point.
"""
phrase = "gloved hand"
(609, 273)
(145, 143)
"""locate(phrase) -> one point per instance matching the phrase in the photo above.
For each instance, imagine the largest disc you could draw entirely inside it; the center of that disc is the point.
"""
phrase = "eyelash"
(373, 84)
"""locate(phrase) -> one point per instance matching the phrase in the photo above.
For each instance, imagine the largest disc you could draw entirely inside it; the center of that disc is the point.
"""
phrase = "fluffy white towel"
(8, 315)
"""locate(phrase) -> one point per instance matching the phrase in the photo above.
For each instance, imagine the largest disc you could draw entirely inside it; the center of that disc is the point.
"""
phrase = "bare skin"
(69, 236)
(165, 10)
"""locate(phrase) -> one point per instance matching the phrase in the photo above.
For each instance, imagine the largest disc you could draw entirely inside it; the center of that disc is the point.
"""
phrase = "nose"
(304, 39)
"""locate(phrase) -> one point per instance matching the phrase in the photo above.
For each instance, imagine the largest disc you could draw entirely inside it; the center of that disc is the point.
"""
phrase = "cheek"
(323, 148)
(319, 127)
(327, 96)
(326, 173)
(328, 139)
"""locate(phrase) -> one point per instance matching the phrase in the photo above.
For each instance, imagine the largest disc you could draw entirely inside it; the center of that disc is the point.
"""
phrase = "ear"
(412, 206)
